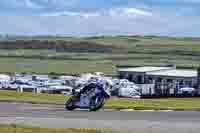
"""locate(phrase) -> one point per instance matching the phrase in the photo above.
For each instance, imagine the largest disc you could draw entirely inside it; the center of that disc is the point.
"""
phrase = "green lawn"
(13, 65)
(114, 103)
(28, 129)
(93, 63)
(119, 40)
(144, 40)
(32, 98)
(139, 51)
(155, 104)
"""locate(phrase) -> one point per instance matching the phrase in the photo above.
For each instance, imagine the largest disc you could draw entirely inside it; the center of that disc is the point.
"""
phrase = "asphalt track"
(52, 116)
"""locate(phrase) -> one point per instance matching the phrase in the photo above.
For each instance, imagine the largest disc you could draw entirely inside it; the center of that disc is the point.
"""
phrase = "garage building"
(162, 81)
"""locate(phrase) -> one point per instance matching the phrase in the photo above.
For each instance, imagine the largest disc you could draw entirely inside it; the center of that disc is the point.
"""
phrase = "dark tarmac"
(55, 116)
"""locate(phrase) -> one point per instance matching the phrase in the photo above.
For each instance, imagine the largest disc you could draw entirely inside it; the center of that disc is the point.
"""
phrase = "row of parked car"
(33, 83)
(67, 85)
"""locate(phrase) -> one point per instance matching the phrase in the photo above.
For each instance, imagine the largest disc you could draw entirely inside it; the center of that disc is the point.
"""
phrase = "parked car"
(124, 88)
(186, 91)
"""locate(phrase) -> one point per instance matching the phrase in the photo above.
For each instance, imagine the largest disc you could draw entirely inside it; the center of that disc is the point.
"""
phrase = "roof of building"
(175, 73)
(145, 69)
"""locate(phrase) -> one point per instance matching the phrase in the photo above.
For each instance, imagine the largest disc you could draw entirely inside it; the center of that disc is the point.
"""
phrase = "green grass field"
(28, 129)
(91, 62)
(12, 65)
(121, 40)
(113, 103)
(139, 51)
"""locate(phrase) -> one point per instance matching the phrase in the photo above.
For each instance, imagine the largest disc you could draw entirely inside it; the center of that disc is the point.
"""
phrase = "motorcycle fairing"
(84, 101)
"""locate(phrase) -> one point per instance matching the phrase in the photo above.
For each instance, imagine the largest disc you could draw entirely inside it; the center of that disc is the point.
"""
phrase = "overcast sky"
(100, 17)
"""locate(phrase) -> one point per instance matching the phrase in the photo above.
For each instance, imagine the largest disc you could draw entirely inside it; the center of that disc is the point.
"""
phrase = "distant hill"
(59, 45)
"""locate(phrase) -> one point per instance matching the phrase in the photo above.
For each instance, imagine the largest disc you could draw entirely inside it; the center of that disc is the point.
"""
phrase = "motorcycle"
(91, 96)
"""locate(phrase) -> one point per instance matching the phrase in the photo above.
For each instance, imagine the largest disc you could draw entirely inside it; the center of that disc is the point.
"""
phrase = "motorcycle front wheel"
(96, 103)
(69, 105)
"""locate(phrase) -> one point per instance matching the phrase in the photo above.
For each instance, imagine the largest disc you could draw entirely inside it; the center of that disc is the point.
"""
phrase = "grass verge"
(179, 104)
(28, 129)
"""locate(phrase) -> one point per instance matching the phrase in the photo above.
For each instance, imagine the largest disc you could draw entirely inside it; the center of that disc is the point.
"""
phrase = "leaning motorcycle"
(92, 97)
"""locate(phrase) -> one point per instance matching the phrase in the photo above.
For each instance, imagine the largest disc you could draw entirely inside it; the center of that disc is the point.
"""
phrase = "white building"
(160, 80)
